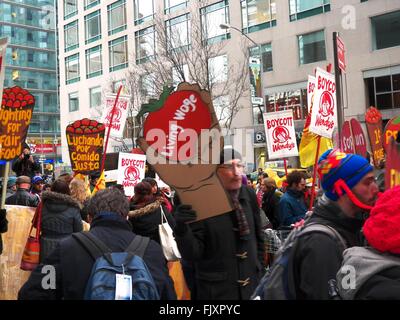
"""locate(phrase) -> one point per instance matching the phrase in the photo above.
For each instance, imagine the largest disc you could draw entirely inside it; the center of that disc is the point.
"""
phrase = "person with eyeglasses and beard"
(226, 250)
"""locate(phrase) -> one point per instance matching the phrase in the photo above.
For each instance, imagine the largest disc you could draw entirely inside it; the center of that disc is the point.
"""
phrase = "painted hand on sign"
(15, 117)
(182, 141)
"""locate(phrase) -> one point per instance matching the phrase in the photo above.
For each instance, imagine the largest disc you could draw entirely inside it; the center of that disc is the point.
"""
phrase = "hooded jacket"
(145, 220)
(60, 217)
(376, 276)
(318, 257)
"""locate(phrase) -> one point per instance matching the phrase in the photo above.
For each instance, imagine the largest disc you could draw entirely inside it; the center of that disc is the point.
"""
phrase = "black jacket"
(24, 167)
(23, 197)
(384, 285)
(145, 220)
(226, 266)
(270, 205)
(3, 227)
(317, 256)
(73, 264)
(60, 217)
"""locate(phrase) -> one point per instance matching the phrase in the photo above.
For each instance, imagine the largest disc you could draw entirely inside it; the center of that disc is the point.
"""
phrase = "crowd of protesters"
(223, 257)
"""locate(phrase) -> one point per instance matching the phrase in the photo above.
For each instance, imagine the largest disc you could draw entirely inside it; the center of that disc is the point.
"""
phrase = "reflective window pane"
(386, 30)
(312, 47)
(95, 97)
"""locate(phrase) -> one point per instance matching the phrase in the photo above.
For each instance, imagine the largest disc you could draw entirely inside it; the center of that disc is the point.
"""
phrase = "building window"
(95, 97)
(145, 44)
(91, 3)
(118, 53)
(92, 27)
(148, 84)
(211, 17)
(71, 36)
(218, 69)
(116, 17)
(93, 62)
(258, 14)
(300, 9)
(178, 32)
(295, 100)
(384, 92)
(386, 30)
(144, 11)
(174, 5)
(180, 75)
(70, 8)
(73, 101)
(266, 55)
(312, 47)
(72, 68)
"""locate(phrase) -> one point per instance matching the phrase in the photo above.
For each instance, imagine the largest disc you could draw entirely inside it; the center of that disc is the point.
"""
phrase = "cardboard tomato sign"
(120, 114)
(131, 170)
(360, 142)
(373, 121)
(15, 116)
(280, 133)
(85, 139)
(391, 130)
(180, 133)
(347, 143)
(392, 170)
(324, 113)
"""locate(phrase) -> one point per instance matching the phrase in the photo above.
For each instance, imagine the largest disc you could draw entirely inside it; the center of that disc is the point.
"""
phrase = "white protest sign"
(324, 111)
(280, 134)
(120, 114)
(310, 91)
(131, 169)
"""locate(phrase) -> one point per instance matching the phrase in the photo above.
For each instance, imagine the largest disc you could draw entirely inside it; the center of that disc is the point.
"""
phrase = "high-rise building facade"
(31, 63)
(100, 40)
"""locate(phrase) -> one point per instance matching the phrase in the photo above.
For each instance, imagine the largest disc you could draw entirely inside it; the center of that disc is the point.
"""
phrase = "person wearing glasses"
(226, 250)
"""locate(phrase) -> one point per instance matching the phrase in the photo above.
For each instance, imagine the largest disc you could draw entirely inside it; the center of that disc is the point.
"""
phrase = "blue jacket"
(292, 207)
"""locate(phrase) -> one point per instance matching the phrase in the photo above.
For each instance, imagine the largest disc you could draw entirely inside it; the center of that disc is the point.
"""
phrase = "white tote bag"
(167, 240)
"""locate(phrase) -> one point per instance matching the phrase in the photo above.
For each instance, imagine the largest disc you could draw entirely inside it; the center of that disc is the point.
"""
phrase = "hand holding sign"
(180, 134)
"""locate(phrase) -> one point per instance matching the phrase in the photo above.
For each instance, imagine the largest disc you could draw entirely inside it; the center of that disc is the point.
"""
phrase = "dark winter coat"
(3, 228)
(60, 217)
(270, 205)
(226, 266)
(318, 257)
(292, 207)
(376, 276)
(23, 197)
(73, 264)
(145, 220)
(24, 167)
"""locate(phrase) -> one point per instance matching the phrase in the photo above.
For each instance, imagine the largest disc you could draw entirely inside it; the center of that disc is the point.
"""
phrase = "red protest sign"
(85, 140)
(392, 170)
(347, 138)
(340, 54)
(373, 121)
(360, 143)
(391, 130)
(174, 114)
(15, 116)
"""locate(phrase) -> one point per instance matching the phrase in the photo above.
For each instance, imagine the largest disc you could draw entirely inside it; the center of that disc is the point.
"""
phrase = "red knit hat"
(382, 228)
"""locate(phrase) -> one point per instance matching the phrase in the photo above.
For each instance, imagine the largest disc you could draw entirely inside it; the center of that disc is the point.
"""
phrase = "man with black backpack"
(137, 264)
(312, 254)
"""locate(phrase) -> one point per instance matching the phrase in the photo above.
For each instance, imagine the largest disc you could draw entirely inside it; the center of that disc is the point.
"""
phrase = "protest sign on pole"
(347, 143)
(310, 91)
(280, 134)
(360, 143)
(392, 170)
(85, 139)
(373, 121)
(131, 169)
(117, 123)
(391, 130)
(324, 113)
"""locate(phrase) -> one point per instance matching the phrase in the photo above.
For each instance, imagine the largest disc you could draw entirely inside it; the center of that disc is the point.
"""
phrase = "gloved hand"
(183, 214)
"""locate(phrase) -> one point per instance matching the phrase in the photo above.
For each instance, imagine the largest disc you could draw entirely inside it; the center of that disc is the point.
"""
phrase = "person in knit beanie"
(350, 191)
(377, 266)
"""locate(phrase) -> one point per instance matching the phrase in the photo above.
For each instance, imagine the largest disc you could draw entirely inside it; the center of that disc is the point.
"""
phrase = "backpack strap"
(93, 245)
(317, 227)
(138, 246)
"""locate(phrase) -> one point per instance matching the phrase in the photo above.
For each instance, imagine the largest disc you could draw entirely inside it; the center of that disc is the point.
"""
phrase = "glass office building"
(31, 63)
